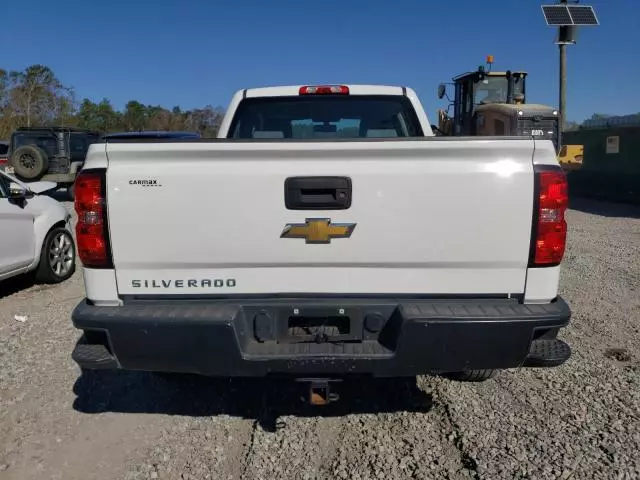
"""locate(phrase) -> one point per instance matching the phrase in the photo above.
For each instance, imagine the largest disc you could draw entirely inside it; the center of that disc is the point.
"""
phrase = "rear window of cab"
(325, 116)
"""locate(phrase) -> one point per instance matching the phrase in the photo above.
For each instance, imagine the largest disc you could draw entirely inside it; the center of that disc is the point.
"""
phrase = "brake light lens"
(91, 228)
(324, 90)
(550, 227)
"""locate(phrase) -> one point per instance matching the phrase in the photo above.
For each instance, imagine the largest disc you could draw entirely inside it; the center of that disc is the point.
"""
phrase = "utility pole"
(562, 95)
(567, 17)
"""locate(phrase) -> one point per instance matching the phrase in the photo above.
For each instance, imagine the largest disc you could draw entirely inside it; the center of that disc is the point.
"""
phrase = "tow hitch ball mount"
(320, 392)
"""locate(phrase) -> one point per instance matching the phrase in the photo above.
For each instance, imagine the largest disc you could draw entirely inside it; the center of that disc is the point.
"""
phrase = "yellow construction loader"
(494, 103)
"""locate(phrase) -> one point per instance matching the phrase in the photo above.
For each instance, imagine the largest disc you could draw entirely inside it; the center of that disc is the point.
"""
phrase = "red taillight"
(4, 160)
(324, 90)
(550, 227)
(91, 229)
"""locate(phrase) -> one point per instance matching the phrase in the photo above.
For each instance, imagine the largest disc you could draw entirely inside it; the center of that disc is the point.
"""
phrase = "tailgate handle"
(317, 193)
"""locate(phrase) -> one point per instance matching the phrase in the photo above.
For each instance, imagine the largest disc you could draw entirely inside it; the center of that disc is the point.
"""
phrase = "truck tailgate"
(432, 216)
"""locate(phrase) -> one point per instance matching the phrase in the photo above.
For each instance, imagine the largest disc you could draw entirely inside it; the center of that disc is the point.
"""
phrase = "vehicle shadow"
(16, 284)
(604, 208)
(263, 400)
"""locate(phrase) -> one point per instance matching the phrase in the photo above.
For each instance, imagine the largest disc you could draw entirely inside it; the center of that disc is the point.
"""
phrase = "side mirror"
(17, 192)
(436, 130)
(442, 90)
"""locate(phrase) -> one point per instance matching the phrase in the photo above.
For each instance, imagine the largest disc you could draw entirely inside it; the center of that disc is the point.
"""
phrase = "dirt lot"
(581, 420)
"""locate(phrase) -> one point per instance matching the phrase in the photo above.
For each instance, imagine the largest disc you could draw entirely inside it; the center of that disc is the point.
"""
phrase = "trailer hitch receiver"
(320, 391)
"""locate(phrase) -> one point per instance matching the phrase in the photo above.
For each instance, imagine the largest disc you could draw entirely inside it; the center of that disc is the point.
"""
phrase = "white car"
(36, 234)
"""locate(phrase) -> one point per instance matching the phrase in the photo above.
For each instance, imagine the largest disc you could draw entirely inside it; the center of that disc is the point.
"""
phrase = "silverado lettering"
(189, 283)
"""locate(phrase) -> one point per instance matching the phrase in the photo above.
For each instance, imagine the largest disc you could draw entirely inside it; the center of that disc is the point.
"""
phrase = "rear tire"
(29, 162)
(472, 375)
(57, 257)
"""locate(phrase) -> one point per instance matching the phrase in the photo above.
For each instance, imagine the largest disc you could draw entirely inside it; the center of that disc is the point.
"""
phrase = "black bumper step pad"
(547, 353)
(93, 357)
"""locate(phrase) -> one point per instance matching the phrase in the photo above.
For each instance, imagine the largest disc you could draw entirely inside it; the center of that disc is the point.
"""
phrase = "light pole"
(567, 17)
(563, 31)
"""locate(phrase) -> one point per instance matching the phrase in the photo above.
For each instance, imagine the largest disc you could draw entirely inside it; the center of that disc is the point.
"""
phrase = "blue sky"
(198, 52)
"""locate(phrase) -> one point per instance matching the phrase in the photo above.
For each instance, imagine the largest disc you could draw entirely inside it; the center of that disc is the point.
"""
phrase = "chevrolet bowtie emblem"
(318, 230)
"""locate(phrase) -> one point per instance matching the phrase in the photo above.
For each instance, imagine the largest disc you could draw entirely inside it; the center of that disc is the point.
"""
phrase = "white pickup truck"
(326, 233)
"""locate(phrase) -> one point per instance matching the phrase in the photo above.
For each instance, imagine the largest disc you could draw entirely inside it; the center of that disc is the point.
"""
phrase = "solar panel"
(557, 15)
(582, 15)
(563, 15)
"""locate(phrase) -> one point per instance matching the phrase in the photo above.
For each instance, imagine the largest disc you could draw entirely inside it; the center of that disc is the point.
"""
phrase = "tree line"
(36, 97)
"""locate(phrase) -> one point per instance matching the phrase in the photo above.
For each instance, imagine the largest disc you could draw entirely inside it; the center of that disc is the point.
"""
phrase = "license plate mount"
(319, 325)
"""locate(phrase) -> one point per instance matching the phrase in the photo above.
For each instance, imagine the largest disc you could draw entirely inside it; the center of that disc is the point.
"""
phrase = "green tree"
(88, 114)
(66, 107)
(35, 97)
(5, 112)
(108, 118)
(101, 117)
(159, 119)
(205, 121)
(35, 94)
(598, 116)
(134, 116)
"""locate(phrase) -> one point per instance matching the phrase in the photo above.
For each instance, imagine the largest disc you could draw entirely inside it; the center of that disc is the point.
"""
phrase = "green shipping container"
(611, 164)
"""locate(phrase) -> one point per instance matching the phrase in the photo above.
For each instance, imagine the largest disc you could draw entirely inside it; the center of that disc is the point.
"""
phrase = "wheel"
(57, 258)
(472, 375)
(29, 162)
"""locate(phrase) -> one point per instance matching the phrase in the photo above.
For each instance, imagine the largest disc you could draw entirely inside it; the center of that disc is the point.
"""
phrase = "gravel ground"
(581, 420)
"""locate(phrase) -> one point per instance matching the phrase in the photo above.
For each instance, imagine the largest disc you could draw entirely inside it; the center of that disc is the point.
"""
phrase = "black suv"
(55, 154)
